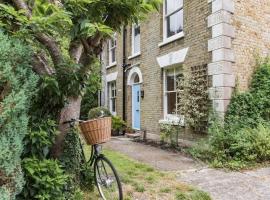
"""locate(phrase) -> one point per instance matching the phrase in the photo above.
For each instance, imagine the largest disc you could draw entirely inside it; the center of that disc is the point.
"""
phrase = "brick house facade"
(221, 37)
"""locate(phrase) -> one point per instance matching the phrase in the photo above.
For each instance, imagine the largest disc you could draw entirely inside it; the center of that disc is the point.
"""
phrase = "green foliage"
(39, 141)
(169, 134)
(193, 101)
(194, 195)
(17, 84)
(118, 124)
(72, 159)
(5, 194)
(98, 112)
(87, 177)
(244, 138)
(93, 85)
(46, 179)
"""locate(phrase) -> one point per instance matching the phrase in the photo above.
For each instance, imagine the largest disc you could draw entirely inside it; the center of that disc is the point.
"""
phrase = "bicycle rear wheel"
(107, 179)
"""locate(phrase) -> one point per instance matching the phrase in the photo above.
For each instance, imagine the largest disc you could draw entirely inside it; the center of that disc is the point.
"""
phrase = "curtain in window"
(174, 16)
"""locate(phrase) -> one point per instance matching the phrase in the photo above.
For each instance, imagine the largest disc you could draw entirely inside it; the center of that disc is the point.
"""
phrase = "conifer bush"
(17, 84)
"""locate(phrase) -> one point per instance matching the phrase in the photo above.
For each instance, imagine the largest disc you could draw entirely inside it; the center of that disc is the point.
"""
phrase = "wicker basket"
(97, 131)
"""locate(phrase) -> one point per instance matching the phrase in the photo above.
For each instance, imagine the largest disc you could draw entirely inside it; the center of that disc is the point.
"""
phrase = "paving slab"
(220, 184)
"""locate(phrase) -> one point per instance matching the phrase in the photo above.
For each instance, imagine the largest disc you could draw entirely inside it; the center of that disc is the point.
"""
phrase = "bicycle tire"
(97, 176)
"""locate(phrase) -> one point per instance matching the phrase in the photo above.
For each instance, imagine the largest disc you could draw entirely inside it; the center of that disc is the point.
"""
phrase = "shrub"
(98, 112)
(39, 140)
(17, 85)
(169, 134)
(244, 138)
(45, 179)
(118, 124)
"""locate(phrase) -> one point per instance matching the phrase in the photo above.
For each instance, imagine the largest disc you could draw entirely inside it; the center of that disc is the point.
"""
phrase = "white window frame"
(111, 48)
(172, 118)
(134, 54)
(112, 96)
(179, 35)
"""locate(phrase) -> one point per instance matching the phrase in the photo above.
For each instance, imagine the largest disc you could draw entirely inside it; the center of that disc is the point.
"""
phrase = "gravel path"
(221, 185)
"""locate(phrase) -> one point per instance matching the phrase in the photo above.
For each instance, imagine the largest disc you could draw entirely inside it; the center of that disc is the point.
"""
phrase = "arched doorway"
(135, 80)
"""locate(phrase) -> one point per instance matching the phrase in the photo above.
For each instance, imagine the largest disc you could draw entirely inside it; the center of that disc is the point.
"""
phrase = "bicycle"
(105, 174)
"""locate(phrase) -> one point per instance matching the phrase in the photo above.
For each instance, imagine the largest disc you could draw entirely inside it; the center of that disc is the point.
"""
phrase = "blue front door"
(136, 108)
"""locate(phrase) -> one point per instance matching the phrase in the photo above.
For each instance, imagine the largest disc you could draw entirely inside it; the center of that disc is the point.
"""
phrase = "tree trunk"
(70, 111)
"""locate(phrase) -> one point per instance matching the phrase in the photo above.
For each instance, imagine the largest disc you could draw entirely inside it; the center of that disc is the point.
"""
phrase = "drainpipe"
(124, 74)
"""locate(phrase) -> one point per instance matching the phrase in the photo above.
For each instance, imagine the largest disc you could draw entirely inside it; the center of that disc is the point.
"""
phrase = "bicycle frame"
(95, 152)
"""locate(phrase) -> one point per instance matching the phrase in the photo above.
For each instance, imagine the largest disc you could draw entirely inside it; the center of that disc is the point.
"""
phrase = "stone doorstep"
(133, 135)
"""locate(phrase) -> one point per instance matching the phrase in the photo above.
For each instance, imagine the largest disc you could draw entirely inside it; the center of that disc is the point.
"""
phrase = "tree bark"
(72, 108)
(70, 111)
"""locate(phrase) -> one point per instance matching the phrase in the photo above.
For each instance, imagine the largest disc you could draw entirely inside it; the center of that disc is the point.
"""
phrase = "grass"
(141, 181)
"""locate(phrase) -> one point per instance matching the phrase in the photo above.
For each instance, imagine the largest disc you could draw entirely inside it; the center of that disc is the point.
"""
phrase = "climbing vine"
(193, 100)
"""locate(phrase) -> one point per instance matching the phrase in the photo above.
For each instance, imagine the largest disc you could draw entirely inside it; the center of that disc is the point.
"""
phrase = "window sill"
(111, 65)
(172, 39)
(173, 120)
(134, 56)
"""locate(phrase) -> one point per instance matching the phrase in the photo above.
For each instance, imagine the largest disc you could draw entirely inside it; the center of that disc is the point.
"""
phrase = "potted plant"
(118, 125)
(95, 113)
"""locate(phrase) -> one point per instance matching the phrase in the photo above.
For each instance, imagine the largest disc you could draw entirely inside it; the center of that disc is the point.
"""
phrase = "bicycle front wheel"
(107, 179)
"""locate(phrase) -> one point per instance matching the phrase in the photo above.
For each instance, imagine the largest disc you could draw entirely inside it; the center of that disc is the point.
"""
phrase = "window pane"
(136, 79)
(137, 30)
(113, 55)
(171, 103)
(172, 5)
(170, 83)
(175, 23)
(113, 105)
(136, 39)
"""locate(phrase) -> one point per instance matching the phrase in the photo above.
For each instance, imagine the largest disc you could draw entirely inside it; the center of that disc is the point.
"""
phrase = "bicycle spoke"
(108, 185)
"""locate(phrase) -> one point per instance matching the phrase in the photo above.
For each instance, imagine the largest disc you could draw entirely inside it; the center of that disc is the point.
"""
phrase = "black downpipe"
(124, 72)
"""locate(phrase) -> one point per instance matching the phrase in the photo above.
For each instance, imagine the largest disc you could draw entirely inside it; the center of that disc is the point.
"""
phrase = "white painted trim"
(111, 65)
(171, 39)
(173, 58)
(110, 51)
(132, 72)
(177, 121)
(110, 96)
(164, 95)
(132, 42)
(166, 116)
(134, 56)
(166, 39)
(111, 77)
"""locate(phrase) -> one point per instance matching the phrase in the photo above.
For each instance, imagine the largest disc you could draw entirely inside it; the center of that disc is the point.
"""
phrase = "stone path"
(221, 185)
